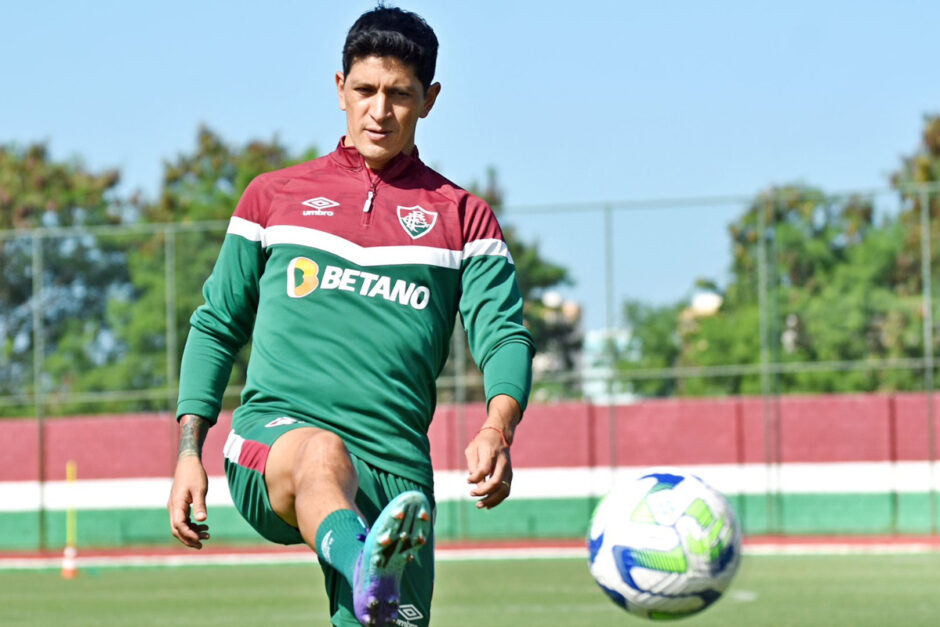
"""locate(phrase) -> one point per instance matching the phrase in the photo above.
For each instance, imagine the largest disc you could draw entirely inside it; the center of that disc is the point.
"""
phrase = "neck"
(378, 165)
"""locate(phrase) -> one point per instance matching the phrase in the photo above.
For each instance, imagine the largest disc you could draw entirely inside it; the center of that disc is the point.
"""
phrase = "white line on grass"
(442, 555)
(888, 548)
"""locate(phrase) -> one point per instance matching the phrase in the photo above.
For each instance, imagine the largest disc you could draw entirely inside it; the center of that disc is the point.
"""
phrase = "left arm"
(487, 454)
(491, 309)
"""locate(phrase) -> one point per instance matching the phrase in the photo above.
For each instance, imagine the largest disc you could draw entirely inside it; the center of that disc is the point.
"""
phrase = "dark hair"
(392, 32)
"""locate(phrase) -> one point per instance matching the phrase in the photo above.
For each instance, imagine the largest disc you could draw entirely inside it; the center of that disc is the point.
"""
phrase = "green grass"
(858, 591)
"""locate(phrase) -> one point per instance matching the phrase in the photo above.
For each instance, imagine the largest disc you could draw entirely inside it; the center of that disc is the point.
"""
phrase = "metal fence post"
(767, 410)
(459, 349)
(172, 357)
(609, 323)
(38, 358)
(925, 262)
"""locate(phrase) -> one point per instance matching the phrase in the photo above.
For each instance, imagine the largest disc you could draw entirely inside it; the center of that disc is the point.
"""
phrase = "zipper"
(367, 212)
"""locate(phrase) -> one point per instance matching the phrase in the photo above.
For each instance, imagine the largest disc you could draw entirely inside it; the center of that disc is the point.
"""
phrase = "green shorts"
(246, 452)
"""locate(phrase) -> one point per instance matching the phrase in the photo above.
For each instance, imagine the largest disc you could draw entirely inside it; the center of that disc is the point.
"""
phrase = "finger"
(178, 517)
(491, 480)
(186, 533)
(487, 460)
(199, 505)
(476, 468)
(499, 494)
(480, 474)
(201, 531)
(192, 539)
(180, 525)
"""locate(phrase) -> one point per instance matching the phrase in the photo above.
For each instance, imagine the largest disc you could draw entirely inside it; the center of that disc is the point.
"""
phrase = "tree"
(105, 296)
(653, 344)
(79, 271)
(204, 185)
(840, 287)
(917, 170)
(832, 296)
(554, 332)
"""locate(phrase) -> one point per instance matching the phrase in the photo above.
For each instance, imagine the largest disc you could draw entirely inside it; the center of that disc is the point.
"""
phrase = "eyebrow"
(359, 82)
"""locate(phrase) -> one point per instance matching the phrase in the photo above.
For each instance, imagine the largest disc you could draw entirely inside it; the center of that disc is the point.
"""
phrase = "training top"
(348, 281)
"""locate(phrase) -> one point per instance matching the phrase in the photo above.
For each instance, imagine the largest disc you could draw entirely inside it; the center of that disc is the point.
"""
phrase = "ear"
(340, 82)
(430, 97)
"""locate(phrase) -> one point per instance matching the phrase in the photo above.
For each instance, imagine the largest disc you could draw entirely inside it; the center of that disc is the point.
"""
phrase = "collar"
(351, 159)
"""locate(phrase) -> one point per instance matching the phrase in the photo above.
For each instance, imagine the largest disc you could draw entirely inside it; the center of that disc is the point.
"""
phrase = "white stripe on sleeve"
(487, 247)
(251, 231)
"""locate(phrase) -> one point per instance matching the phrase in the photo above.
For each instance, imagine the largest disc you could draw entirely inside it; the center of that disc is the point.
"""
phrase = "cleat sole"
(392, 543)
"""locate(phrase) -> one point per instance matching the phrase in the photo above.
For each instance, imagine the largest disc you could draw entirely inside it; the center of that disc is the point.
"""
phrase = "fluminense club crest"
(416, 221)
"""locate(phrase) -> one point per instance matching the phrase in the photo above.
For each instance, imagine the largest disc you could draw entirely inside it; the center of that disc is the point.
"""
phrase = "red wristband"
(499, 431)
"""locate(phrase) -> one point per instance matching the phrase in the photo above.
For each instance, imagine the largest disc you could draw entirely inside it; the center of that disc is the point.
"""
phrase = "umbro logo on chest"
(319, 206)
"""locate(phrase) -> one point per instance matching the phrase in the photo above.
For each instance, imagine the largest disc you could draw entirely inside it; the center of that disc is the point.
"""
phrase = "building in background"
(599, 355)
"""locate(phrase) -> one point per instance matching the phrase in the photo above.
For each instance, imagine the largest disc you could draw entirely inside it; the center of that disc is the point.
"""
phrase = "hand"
(190, 485)
(488, 453)
(490, 467)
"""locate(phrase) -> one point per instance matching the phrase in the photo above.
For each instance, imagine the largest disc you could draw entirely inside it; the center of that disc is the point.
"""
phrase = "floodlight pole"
(928, 349)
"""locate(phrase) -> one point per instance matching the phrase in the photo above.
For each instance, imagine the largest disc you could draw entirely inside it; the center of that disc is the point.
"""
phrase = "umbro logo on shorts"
(318, 206)
(408, 613)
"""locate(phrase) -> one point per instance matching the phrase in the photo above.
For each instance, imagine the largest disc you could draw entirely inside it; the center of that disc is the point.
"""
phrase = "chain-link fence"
(788, 292)
(93, 319)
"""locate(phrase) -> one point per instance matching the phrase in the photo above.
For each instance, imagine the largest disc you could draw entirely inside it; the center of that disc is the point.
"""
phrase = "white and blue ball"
(665, 545)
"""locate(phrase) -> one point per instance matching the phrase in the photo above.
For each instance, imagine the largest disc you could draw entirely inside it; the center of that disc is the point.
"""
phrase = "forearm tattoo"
(193, 431)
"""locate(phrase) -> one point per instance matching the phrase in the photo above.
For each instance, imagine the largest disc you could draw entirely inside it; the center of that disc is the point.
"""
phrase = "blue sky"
(575, 102)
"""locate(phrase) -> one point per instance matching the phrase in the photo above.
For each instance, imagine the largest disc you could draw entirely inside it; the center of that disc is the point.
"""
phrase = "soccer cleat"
(393, 542)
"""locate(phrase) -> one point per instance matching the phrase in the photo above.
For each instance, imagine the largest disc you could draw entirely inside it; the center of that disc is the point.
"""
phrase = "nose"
(380, 108)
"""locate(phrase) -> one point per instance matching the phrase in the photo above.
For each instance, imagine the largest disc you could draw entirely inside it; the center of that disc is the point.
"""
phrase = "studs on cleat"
(391, 544)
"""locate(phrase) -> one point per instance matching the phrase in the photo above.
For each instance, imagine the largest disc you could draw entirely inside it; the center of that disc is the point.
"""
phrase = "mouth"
(376, 134)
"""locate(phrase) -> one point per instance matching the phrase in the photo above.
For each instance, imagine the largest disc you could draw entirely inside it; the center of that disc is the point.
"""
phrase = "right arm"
(218, 330)
(190, 485)
(223, 324)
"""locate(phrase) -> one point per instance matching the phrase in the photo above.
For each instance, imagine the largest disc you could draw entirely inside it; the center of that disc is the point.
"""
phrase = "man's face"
(383, 100)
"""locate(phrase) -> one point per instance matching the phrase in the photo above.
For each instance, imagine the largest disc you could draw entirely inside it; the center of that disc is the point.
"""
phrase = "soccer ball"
(664, 546)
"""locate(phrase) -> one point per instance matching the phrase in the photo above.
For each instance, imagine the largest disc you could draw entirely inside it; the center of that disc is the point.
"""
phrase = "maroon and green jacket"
(347, 282)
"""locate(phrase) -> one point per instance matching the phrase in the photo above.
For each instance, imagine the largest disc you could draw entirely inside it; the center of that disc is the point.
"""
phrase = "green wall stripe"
(514, 519)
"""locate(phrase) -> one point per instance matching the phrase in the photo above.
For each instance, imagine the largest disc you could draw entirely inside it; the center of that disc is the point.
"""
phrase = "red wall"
(655, 432)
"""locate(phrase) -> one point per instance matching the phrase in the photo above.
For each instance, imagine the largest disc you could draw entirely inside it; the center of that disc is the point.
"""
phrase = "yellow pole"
(71, 520)
(69, 569)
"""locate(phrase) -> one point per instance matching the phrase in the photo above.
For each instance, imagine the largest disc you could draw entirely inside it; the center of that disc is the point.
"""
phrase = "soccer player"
(347, 274)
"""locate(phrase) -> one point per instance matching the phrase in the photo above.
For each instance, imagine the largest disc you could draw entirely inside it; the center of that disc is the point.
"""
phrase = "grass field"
(771, 591)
